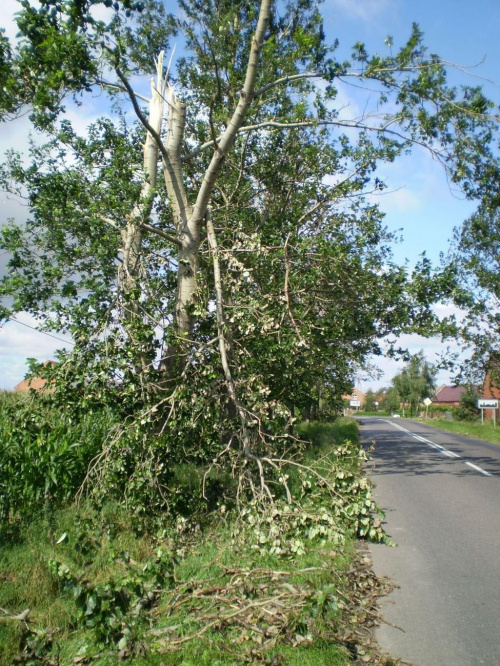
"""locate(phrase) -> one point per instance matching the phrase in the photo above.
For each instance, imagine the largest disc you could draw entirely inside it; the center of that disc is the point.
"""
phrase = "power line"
(16, 321)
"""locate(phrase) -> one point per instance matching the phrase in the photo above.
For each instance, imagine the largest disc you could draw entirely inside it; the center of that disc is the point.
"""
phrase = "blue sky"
(463, 32)
(419, 201)
(422, 205)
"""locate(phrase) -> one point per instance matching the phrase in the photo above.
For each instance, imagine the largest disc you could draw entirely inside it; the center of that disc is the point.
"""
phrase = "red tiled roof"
(35, 383)
(449, 394)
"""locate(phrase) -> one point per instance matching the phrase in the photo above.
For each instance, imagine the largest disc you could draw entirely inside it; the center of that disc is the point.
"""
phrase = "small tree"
(392, 400)
(475, 253)
(467, 409)
(415, 381)
(370, 400)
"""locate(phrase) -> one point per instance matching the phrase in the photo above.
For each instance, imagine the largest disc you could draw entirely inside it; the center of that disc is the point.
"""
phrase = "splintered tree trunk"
(187, 277)
(130, 270)
(188, 229)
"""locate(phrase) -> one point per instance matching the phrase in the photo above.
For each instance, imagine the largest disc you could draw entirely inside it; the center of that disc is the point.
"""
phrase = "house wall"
(493, 392)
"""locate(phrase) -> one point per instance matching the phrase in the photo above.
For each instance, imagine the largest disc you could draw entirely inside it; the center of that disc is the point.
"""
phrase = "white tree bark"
(132, 234)
(189, 219)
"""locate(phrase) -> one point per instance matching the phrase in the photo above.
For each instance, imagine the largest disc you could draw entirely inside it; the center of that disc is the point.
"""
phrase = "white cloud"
(18, 342)
(400, 200)
(365, 10)
(434, 348)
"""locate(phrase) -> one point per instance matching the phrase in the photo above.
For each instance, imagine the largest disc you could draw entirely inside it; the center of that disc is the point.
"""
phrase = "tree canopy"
(211, 246)
(415, 382)
(475, 251)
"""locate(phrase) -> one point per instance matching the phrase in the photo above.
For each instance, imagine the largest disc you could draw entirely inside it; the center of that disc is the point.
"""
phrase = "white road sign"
(487, 404)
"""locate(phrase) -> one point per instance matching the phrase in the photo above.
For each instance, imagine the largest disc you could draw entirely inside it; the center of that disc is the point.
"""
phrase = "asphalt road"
(441, 494)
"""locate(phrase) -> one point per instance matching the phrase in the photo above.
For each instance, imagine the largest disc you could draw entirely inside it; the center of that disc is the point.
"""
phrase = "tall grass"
(329, 434)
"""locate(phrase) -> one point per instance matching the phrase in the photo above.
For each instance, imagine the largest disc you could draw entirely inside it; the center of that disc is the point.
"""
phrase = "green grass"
(379, 412)
(26, 579)
(485, 431)
(328, 434)
(299, 596)
(26, 582)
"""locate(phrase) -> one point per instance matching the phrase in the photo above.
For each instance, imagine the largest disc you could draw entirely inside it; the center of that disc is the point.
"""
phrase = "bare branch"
(116, 86)
(231, 388)
(160, 232)
(287, 79)
(246, 97)
(354, 124)
(140, 114)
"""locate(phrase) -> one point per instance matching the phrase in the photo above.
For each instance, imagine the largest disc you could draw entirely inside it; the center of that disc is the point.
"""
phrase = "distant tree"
(370, 400)
(415, 382)
(467, 409)
(380, 396)
(392, 400)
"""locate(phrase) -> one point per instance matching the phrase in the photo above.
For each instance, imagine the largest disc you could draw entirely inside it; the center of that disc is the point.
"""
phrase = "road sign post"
(487, 403)
(427, 402)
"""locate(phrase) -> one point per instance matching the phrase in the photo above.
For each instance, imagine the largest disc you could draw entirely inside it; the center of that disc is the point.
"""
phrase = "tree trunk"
(189, 219)
(130, 270)
(188, 228)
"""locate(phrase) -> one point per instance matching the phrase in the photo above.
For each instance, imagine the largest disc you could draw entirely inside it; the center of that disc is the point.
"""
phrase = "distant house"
(34, 383)
(356, 394)
(448, 396)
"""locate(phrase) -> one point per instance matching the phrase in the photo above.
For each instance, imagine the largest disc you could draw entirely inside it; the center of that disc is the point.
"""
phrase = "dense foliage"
(414, 383)
(211, 246)
(467, 410)
(475, 251)
(44, 456)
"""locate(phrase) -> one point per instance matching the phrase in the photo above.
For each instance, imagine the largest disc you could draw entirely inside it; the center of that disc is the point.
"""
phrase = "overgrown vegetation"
(44, 455)
(468, 410)
(212, 247)
(240, 586)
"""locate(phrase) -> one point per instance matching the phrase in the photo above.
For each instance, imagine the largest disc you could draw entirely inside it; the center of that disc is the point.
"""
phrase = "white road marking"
(479, 469)
(453, 454)
(438, 447)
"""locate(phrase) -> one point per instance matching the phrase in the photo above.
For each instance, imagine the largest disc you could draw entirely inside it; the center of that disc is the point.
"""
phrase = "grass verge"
(287, 588)
(486, 431)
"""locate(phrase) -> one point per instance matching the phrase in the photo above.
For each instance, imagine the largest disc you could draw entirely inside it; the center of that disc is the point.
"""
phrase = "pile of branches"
(251, 611)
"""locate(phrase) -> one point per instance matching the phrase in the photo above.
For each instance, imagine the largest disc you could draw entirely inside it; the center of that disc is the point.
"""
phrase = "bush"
(467, 409)
(44, 454)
